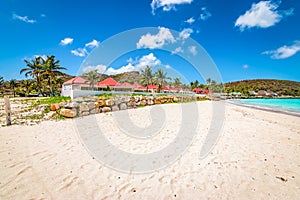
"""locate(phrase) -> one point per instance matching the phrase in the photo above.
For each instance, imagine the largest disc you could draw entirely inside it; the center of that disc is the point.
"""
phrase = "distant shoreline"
(265, 108)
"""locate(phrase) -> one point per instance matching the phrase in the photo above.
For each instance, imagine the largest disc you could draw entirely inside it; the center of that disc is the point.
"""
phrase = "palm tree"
(25, 85)
(92, 77)
(51, 69)
(34, 69)
(177, 82)
(160, 76)
(1, 83)
(146, 76)
(13, 84)
(208, 81)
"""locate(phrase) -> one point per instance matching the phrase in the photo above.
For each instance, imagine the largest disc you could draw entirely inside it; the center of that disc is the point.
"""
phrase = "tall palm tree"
(25, 85)
(160, 76)
(51, 69)
(13, 84)
(92, 77)
(208, 81)
(177, 82)
(146, 76)
(34, 69)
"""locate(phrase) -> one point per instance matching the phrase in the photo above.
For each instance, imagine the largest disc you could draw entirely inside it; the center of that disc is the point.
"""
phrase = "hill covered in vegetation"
(281, 87)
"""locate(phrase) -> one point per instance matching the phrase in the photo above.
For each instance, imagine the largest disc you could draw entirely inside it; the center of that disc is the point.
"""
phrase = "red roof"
(152, 87)
(125, 85)
(77, 80)
(108, 81)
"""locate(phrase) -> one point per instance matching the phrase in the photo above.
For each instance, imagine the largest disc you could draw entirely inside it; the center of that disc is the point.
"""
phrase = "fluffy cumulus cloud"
(81, 52)
(66, 41)
(23, 18)
(193, 50)
(185, 33)
(284, 51)
(167, 5)
(177, 50)
(263, 14)
(132, 65)
(92, 44)
(99, 68)
(190, 20)
(163, 37)
(204, 14)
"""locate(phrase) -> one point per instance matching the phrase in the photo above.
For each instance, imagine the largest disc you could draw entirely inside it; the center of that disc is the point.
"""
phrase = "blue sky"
(246, 39)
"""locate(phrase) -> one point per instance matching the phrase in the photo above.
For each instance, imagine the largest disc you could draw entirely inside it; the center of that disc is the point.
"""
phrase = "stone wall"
(80, 106)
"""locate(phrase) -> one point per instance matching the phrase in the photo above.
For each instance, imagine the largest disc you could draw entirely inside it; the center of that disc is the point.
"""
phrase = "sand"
(256, 157)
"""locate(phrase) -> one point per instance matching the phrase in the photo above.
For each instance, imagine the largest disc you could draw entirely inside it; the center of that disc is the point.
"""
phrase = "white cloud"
(193, 50)
(245, 66)
(177, 50)
(66, 41)
(81, 52)
(263, 14)
(167, 5)
(205, 14)
(190, 20)
(99, 68)
(92, 44)
(284, 51)
(133, 65)
(127, 68)
(163, 37)
(185, 33)
(24, 19)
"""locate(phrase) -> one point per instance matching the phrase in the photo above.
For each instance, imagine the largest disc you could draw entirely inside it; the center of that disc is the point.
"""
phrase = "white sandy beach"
(256, 157)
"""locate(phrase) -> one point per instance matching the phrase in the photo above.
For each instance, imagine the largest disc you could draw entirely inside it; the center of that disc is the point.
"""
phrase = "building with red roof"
(108, 82)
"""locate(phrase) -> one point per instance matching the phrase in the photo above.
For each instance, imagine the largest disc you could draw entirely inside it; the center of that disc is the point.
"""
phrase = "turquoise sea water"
(292, 105)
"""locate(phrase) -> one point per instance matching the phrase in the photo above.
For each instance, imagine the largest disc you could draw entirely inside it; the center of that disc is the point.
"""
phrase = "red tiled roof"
(108, 81)
(152, 87)
(125, 85)
(77, 80)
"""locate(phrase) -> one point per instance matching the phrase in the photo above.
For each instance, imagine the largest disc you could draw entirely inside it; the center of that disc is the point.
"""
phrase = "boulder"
(109, 102)
(71, 105)
(123, 106)
(78, 99)
(91, 105)
(100, 103)
(115, 108)
(93, 111)
(143, 103)
(84, 108)
(84, 113)
(150, 102)
(156, 101)
(68, 113)
(106, 109)
(62, 104)
(54, 106)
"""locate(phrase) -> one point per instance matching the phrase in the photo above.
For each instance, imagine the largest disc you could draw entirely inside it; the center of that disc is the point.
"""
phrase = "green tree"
(34, 69)
(92, 77)
(208, 81)
(25, 86)
(177, 82)
(160, 77)
(51, 69)
(13, 84)
(146, 77)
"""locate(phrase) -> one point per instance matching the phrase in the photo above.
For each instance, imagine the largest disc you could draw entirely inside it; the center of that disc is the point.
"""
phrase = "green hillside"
(281, 87)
